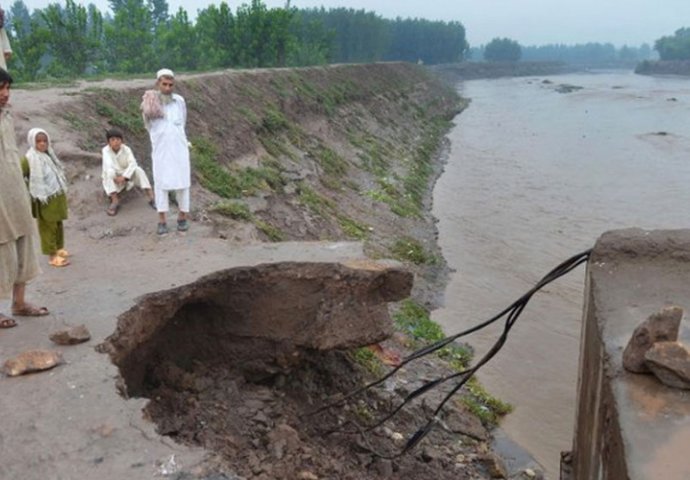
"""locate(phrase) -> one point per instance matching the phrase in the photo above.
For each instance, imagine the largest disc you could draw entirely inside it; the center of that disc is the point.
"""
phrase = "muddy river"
(533, 177)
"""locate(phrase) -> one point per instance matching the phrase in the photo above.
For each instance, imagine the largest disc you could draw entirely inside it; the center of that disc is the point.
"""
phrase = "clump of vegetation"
(332, 163)
(407, 249)
(318, 204)
(483, 405)
(324, 207)
(273, 233)
(120, 112)
(414, 320)
(234, 210)
(367, 359)
(220, 181)
(352, 228)
(274, 121)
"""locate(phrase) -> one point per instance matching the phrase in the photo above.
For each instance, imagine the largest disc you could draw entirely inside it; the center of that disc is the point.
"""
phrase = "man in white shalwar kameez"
(165, 116)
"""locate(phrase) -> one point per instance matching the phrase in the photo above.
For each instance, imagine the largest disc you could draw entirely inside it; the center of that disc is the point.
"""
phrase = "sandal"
(112, 209)
(58, 261)
(162, 229)
(7, 322)
(28, 310)
(182, 225)
(63, 253)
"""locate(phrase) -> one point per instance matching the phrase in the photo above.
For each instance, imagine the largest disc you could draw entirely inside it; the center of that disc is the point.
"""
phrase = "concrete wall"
(630, 426)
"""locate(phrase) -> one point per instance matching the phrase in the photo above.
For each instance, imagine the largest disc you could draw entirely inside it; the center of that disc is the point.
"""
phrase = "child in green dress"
(48, 189)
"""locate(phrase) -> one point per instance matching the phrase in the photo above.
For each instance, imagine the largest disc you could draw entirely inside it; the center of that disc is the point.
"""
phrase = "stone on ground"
(661, 326)
(32, 361)
(670, 362)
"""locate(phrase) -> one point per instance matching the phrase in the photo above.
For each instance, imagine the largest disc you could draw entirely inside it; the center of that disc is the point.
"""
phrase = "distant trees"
(502, 50)
(676, 47)
(142, 35)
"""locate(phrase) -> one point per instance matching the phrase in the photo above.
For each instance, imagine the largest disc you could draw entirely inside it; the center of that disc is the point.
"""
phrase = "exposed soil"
(255, 423)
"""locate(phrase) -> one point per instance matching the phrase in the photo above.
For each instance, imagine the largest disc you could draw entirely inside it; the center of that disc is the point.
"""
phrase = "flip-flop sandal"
(63, 253)
(7, 322)
(112, 209)
(30, 311)
(58, 261)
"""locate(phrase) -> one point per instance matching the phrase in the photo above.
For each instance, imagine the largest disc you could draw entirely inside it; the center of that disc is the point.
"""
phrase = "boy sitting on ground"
(121, 171)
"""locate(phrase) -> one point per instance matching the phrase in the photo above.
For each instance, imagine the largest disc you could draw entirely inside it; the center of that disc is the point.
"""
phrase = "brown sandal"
(28, 310)
(7, 322)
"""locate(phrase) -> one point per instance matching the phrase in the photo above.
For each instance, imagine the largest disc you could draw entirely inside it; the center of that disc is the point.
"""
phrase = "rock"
(670, 362)
(494, 465)
(430, 454)
(659, 327)
(465, 423)
(283, 439)
(71, 336)
(383, 467)
(32, 361)
(529, 473)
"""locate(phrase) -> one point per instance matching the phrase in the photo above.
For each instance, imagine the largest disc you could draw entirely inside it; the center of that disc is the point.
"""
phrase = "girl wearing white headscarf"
(48, 189)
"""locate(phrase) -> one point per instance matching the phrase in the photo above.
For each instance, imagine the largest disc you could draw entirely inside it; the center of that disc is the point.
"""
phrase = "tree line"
(137, 36)
(591, 54)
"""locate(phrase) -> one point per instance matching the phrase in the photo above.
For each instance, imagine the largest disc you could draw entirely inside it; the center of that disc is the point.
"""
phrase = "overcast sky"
(529, 22)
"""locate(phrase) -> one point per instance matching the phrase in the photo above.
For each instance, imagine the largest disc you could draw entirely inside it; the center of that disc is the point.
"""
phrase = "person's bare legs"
(21, 307)
(18, 295)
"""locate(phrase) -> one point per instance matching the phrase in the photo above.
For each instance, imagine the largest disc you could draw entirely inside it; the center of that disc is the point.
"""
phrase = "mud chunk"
(670, 362)
(461, 421)
(32, 361)
(659, 327)
(283, 439)
(71, 336)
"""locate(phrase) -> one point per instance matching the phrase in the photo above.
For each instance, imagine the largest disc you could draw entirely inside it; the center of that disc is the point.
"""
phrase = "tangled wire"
(511, 314)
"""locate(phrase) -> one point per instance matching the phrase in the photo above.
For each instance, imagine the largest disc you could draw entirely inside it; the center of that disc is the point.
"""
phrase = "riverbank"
(454, 72)
(664, 67)
(280, 157)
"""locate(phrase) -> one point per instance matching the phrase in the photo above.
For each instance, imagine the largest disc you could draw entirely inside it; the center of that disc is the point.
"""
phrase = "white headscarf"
(47, 177)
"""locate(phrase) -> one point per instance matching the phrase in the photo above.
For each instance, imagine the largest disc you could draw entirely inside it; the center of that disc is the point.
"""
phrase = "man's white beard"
(166, 98)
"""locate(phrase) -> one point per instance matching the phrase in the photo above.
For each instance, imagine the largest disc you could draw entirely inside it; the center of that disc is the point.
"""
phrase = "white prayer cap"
(164, 72)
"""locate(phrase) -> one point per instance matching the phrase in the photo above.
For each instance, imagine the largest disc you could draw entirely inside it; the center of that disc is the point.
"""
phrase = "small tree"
(502, 50)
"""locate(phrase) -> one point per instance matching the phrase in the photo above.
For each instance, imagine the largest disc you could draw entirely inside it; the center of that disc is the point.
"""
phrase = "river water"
(533, 177)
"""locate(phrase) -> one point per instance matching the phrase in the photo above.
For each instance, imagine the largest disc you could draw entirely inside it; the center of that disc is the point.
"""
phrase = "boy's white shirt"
(120, 163)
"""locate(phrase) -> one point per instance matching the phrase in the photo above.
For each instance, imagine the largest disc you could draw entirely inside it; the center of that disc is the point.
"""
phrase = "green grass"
(367, 359)
(414, 320)
(273, 233)
(210, 173)
(221, 181)
(483, 405)
(318, 204)
(407, 249)
(352, 228)
(235, 210)
(332, 163)
(274, 121)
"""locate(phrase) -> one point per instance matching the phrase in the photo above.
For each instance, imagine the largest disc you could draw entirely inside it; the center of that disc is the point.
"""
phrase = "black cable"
(513, 311)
